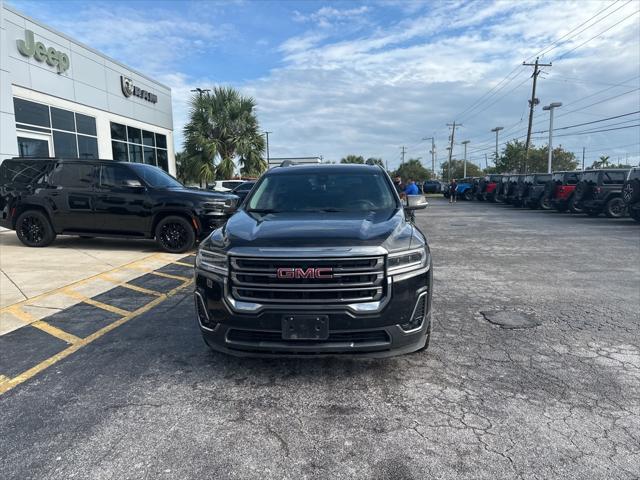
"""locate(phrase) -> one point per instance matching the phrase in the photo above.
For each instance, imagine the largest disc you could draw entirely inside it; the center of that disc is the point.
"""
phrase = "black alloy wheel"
(615, 208)
(34, 230)
(175, 235)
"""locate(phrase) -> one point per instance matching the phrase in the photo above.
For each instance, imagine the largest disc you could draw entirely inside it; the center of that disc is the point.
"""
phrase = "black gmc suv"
(600, 191)
(42, 198)
(318, 260)
(631, 193)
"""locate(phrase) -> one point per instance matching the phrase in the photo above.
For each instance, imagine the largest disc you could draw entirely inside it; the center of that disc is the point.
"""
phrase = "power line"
(593, 121)
(595, 36)
(598, 131)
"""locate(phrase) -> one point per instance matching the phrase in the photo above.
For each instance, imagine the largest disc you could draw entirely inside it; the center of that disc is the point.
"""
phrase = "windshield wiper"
(324, 210)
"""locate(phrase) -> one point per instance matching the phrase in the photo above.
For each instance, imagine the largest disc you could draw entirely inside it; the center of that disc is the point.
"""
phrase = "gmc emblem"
(311, 272)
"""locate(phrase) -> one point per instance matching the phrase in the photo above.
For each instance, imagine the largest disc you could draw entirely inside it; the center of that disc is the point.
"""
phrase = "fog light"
(418, 314)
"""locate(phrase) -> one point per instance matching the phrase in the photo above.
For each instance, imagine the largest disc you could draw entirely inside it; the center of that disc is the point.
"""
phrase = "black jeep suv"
(41, 198)
(532, 189)
(318, 260)
(631, 193)
(600, 191)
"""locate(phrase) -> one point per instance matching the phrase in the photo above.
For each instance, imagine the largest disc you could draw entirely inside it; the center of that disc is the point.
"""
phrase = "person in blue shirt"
(411, 188)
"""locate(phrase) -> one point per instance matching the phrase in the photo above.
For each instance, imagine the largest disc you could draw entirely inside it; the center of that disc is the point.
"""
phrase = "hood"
(200, 195)
(387, 229)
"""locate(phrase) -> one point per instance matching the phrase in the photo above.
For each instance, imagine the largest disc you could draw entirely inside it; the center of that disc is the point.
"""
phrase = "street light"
(464, 175)
(497, 129)
(201, 91)
(550, 107)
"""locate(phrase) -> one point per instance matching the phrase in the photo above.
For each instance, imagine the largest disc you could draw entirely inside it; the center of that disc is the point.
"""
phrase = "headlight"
(407, 261)
(216, 262)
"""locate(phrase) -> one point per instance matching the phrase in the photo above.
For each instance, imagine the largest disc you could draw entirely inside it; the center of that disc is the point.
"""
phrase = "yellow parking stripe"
(56, 332)
(7, 385)
(3, 379)
(184, 264)
(95, 303)
(140, 289)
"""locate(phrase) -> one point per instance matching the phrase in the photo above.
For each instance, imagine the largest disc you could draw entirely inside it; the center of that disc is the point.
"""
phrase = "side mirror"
(416, 202)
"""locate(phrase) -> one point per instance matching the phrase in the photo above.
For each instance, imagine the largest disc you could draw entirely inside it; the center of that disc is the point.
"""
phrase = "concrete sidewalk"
(35, 282)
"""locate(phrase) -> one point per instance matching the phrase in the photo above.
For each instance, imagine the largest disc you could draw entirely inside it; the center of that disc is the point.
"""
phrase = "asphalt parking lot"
(147, 399)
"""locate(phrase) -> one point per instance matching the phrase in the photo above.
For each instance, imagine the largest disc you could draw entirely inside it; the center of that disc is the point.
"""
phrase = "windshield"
(528, 179)
(543, 178)
(558, 177)
(318, 192)
(590, 177)
(154, 176)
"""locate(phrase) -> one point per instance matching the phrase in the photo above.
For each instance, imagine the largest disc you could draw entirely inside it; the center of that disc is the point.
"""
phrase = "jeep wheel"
(545, 202)
(467, 195)
(34, 229)
(175, 234)
(573, 205)
(615, 208)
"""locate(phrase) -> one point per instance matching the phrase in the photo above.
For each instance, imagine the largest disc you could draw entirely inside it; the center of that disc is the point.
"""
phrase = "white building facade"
(59, 98)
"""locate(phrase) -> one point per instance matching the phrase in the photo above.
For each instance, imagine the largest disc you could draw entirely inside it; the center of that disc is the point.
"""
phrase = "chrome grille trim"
(355, 279)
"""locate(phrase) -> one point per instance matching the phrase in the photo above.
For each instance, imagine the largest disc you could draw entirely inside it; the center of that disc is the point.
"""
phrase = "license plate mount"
(305, 327)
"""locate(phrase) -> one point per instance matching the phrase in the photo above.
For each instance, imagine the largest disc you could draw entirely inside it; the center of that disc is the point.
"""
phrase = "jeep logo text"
(30, 48)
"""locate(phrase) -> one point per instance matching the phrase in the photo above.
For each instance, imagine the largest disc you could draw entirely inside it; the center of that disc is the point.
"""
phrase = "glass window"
(118, 132)
(572, 179)
(64, 145)
(163, 161)
(161, 141)
(360, 192)
(149, 155)
(85, 124)
(115, 175)
(155, 177)
(87, 147)
(120, 151)
(590, 177)
(135, 153)
(614, 177)
(543, 178)
(62, 119)
(31, 112)
(21, 172)
(75, 175)
(32, 147)
(134, 135)
(147, 138)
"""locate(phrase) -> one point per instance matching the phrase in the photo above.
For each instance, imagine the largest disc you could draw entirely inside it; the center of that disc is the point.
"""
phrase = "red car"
(563, 185)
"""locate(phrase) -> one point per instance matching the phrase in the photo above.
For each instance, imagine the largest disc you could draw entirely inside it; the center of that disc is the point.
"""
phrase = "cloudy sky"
(333, 78)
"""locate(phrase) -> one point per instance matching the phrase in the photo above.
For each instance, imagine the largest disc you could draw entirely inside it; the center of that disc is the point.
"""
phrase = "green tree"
(187, 168)
(223, 126)
(375, 161)
(603, 162)
(412, 169)
(352, 159)
(457, 170)
(512, 159)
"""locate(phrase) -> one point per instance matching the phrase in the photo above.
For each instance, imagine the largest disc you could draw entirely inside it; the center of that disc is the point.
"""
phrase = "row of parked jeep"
(614, 192)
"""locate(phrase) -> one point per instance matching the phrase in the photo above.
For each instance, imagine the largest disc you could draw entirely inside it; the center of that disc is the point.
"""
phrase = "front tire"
(573, 205)
(615, 208)
(468, 196)
(545, 202)
(175, 234)
(34, 229)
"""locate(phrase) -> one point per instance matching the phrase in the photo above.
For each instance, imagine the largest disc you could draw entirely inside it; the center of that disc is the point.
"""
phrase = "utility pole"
(200, 91)
(497, 129)
(532, 103)
(486, 162)
(433, 154)
(449, 166)
(465, 143)
(266, 134)
(403, 152)
(551, 107)
(453, 134)
(582, 158)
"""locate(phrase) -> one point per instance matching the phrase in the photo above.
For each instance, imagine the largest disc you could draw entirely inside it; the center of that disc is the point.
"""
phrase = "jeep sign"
(30, 48)
(128, 89)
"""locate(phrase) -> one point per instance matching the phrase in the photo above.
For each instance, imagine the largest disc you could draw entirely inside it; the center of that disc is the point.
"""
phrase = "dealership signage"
(128, 89)
(30, 48)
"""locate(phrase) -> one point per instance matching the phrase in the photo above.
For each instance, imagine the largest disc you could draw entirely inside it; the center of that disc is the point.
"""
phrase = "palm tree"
(352, 159)
(222, 126)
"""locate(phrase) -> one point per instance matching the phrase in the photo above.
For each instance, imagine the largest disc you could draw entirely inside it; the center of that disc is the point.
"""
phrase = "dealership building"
(60, 98)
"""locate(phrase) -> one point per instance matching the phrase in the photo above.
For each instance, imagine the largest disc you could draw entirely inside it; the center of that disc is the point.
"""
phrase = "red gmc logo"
(311, 272)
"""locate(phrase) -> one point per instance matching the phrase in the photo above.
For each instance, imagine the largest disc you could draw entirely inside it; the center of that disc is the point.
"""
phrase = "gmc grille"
(359, 279)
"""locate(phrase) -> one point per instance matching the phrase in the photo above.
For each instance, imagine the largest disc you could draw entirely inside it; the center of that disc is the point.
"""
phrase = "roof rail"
(288, 163)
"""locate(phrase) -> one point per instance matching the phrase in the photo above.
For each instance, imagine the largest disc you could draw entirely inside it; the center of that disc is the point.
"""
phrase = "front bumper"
(372, 334)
